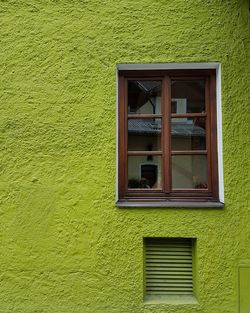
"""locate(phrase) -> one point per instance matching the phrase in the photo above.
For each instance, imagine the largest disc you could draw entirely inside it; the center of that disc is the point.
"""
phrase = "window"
(167, 137)
(168, 269)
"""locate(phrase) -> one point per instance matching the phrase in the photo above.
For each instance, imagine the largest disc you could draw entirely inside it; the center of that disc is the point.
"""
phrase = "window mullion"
(125, 127)
(166, 115)
(208, 132)
(212, 145)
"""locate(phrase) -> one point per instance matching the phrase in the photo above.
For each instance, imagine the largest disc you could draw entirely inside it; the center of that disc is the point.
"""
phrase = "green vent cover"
(168, 266)
(244, 288)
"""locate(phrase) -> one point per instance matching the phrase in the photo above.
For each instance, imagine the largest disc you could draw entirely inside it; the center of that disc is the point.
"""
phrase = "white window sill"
(169, 204)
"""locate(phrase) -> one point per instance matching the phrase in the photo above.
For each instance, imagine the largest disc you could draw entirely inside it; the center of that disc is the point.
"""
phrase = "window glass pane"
(188, 96)
(188, 133)
(144, 172)
(144, 134)
(144, 97)
(189, 171)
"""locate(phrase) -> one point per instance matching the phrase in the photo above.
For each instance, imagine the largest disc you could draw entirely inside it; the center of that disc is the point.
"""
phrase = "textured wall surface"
(65, 247)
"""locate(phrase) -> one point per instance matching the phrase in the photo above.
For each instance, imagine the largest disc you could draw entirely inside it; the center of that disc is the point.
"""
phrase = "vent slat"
(169, 243)
(177, 253)
(166, 260)
(177, 249)
(168, 267)
(174, 277)
(165, 265)
(169, 270)
(168, 293)
(169, 280)
(169, 256)
(170, 288)
(181, 284)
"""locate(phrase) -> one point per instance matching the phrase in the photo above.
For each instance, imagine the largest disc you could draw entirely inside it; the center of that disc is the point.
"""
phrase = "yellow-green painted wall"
(65, 247)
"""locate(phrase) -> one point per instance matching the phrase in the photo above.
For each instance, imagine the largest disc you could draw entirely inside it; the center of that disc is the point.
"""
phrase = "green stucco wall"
(65, 247)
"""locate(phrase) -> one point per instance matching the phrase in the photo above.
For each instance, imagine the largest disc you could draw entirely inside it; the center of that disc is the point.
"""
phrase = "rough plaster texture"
(65, 247)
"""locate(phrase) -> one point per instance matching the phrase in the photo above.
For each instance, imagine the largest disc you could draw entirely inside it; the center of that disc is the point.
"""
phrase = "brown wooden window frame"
(192, 197)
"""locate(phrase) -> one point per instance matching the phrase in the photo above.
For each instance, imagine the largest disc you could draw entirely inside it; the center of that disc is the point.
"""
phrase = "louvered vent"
(168, 267)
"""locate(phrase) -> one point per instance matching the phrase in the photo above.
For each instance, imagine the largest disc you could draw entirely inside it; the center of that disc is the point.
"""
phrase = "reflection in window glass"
(188, 96)
(144, 134)
(144, 172)
(189, 172)
(144, 97)
(188, 133)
